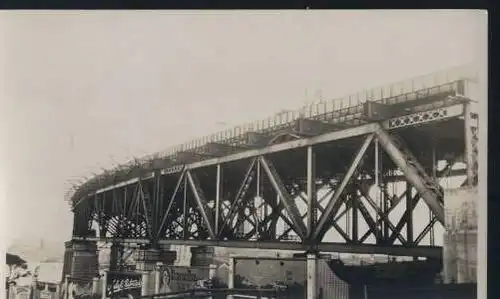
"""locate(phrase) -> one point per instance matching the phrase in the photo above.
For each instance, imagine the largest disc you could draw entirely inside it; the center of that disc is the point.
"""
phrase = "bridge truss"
(233, 192)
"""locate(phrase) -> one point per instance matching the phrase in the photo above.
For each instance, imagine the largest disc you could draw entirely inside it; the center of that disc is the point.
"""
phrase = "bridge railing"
(323, 107)
(314, 110)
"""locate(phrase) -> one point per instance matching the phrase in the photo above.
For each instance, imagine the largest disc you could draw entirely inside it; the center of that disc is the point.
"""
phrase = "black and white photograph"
(302, 154)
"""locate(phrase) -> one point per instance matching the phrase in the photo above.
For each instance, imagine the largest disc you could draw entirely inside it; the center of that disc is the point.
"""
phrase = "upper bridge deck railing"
(237, 134)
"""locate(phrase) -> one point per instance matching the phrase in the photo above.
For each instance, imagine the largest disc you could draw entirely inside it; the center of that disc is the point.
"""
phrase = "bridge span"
(313, 170)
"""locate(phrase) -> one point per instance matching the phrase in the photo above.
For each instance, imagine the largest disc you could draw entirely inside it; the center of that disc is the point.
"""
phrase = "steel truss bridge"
(230, 189)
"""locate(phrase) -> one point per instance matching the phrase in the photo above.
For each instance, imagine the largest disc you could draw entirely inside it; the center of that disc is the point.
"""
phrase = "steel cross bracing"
(239, 199)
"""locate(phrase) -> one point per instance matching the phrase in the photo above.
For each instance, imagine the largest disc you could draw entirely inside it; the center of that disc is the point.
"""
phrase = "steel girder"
(209, 203)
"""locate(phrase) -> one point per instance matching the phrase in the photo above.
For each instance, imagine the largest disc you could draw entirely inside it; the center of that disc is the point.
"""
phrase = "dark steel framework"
(234, 195)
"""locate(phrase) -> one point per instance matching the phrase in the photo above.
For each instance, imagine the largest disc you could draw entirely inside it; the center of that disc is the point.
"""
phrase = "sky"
(87, 90)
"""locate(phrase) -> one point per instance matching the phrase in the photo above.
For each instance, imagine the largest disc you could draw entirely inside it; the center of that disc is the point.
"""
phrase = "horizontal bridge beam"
(394, 250)
(338, 135)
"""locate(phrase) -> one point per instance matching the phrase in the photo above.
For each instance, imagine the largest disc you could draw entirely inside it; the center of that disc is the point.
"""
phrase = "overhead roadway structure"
(232, 188)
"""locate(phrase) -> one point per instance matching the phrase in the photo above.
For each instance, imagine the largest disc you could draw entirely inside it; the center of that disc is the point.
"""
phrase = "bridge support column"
(145, 288)
(115, 256)
(104, 286)
(147, 260)
(158, 271)
(311, 276)
(82, 260)
(230, 275)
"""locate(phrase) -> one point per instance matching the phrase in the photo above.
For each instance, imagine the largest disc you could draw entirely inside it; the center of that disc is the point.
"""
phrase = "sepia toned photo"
(244, 154)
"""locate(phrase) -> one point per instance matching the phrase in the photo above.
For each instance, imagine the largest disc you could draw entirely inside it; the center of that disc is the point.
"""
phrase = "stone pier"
(147, 261)
(80, 260)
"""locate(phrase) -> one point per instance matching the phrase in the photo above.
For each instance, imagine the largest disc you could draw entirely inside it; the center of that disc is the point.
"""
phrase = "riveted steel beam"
(395, 250)
(311, 192)
(218, 178)
(411, 172)
(332, 136)
(425, 231)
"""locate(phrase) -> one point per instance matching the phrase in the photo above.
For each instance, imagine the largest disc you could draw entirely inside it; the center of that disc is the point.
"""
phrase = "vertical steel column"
(377, 189)
(311, 192)
(347, 215)
(385, 207)
(311, 276)
(275, 205)
(231, 274)
(217, 198)
(157, 200)
(258, 177)
(125, 200)
(469, 151)
(354, 203)
(383, 200)
(434, 177)
(263, 204)
(376, 162)
(123, 217)
(409, 220)
(184, 211)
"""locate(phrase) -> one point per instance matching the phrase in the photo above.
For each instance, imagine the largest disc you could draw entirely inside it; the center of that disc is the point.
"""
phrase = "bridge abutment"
(115, 256)
(81, 259)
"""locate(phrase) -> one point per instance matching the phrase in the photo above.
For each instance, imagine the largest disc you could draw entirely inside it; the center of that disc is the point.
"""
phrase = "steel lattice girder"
(396, 250)
(418, 118)
(154, 226)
